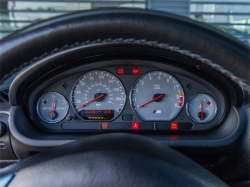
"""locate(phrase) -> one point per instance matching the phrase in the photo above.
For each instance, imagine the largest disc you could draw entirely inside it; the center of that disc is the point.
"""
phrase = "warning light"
(120, 71)
(174, 126)
(45, 102)
(135, 71)
(189, 86)
(65, 85)
(135, 126)
(104, 125)
(209, 103)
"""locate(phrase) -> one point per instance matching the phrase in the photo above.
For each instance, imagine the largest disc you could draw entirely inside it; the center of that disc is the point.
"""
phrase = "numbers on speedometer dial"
(157, 96)
(98, 95)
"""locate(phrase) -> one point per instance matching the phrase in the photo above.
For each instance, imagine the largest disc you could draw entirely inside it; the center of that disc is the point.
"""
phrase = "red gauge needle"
(52, 109)
(150, 101)
(201, 111)
(91, 101)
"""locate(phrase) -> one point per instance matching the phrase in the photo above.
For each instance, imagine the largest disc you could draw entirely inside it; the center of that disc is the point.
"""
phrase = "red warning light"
(120, 71)
(45, 102)
(135, 71)
(174, 126)
(135, 126)
(209, 103)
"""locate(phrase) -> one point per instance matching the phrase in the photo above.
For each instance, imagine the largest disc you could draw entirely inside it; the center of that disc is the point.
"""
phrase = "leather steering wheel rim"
(116, 159)
(212, 47)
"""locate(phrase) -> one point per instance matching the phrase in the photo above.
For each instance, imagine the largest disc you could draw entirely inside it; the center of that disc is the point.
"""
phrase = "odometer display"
(98, 95)
(157, 96)
(98, 114)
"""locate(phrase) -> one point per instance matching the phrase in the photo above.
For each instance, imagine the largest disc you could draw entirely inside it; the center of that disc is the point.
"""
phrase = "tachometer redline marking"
(150, 101)
(90, 101)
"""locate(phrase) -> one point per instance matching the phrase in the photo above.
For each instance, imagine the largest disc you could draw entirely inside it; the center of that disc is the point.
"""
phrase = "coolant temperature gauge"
(201, 108)
(52, 107)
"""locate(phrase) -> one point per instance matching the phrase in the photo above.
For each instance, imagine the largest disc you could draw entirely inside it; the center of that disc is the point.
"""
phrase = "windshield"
(231, 16)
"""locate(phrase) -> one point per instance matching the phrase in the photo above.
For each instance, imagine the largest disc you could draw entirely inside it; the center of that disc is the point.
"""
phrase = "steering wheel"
(119, 159)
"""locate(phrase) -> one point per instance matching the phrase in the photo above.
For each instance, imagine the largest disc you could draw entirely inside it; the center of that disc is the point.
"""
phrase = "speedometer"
(157, 96)
(98, 95)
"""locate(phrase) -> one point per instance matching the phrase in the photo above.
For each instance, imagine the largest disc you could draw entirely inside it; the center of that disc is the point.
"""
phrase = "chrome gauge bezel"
(131, 90)
(215, 113)
(79, 78)
(38, 112)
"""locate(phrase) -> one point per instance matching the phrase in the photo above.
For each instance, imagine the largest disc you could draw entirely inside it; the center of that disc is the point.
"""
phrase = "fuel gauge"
(201, 108)
(52, 107)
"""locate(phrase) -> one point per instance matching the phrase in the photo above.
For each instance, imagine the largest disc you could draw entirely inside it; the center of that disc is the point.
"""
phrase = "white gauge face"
(157, 96)
(98, 95)
(52, 107)
(202, 108)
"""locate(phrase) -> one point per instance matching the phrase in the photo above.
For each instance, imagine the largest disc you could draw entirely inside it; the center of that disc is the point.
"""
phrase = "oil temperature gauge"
(52, 107)
(201, 108)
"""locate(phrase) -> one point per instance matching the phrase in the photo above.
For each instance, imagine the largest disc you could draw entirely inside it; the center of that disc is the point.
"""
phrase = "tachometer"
(157, 96)
(98, 95)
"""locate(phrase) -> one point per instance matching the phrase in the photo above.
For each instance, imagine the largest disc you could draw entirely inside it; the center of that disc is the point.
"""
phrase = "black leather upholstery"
(111, 160)
(174, 30)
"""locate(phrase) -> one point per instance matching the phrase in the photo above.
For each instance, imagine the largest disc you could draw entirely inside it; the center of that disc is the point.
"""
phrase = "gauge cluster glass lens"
(157, 96)
(98, 95)
(52, 107)
(202, 108)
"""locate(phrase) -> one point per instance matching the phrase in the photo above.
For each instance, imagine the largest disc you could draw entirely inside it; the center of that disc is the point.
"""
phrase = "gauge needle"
(201, 111)
(150, 101)
(52, 109)
(91, 101)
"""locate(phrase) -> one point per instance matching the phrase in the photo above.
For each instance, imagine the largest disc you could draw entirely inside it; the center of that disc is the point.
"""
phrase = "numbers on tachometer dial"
(98, 95)
(157, 96)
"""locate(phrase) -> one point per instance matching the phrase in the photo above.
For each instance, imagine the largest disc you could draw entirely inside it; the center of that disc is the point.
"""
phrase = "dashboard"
(167, 79)
(142, 97)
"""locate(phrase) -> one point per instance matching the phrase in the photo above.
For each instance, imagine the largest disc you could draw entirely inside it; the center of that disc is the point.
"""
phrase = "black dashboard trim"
(63, 59)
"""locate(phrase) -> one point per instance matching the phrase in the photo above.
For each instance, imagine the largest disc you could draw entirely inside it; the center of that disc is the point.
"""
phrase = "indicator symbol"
(135, 126)
(209, 103)
(189, 86)
(135, 71)
(65, 85)
(120, 71)
(45, 102)
(104, 125)
(174, 126)
(192, 103)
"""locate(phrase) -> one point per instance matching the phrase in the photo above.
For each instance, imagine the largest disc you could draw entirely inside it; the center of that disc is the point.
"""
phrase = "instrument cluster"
(127, 99)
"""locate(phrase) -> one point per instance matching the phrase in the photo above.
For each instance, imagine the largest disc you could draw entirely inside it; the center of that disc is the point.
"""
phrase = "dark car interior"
(124, 97)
